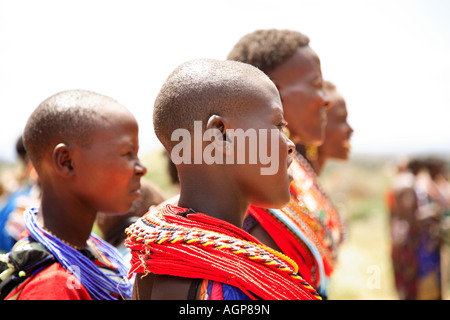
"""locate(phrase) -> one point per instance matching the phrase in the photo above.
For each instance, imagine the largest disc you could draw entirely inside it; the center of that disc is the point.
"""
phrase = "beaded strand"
(62, 240)
(100, 286)
(171, 244)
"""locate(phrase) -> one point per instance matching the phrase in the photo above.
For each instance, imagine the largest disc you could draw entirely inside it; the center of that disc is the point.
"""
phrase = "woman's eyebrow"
(128, 145)
(278, 115)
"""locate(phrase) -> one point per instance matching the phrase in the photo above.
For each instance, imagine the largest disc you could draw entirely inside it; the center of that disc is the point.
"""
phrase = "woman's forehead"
(301, 66)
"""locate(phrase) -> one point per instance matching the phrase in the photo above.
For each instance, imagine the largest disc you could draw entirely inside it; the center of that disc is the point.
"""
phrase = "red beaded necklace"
(200, 246)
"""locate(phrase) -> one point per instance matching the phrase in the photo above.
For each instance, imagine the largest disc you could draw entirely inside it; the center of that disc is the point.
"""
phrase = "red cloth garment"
(52, 283)
(288, 243)
(308, 229)
(174, 241)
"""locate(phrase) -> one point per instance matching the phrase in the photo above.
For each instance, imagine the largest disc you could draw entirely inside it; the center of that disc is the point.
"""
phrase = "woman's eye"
(318, 84)
(282, 124)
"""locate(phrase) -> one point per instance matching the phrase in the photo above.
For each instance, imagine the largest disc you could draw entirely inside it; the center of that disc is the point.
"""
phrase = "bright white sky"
(389, 59)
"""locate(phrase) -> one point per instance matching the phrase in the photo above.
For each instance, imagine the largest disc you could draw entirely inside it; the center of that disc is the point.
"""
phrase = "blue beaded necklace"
(98, 284)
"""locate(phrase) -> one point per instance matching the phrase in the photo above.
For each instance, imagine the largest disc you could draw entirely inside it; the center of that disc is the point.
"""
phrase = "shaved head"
(68, 117)
(200, 88)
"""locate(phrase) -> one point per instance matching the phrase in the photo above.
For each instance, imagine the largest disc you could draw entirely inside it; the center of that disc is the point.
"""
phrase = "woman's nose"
(140, 169)
(327, 104)
(291, 146)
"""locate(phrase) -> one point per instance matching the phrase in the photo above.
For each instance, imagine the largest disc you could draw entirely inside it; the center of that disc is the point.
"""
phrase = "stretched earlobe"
(62, 159)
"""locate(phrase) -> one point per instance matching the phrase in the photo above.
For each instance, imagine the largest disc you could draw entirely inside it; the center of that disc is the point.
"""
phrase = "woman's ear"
(217, 127)
(62, 160)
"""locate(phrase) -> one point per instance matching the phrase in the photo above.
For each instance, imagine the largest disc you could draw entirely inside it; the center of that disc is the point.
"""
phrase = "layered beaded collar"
(99, 285)
(200, 244)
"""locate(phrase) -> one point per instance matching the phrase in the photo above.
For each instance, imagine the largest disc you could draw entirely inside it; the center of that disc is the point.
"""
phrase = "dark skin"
(305, 103)
(112, 226)
(337, 133)
(221, 190)
(76, 181)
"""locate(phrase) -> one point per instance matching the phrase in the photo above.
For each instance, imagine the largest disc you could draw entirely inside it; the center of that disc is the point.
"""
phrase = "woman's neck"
(68, 221)
(219, 200)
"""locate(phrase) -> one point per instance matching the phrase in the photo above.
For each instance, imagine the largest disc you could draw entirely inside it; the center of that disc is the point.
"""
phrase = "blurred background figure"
(417, 210)
(112, 227)
(14, 203)
(439, 191)
(172, 170)
(336, 145)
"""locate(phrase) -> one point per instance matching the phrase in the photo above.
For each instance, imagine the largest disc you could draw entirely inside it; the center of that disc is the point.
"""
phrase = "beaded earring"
(312, 152)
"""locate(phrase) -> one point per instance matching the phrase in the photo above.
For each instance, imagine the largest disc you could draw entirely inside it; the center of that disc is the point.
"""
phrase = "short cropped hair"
(267, 49)
(68, 117)
(200, 88)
